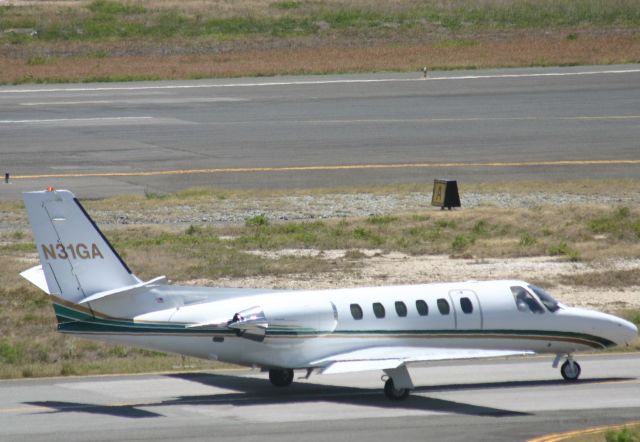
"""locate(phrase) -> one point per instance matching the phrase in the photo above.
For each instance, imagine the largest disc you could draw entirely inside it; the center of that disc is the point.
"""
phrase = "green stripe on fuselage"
(74, 321)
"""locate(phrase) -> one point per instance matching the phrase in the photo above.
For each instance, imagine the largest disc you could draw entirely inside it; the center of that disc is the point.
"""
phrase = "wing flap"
(381, 358)
(355, 366)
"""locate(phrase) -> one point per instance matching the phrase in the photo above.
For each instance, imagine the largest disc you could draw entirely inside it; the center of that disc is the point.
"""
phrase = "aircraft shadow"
(261, 392)
(517, 384)
(248, 391)
(129, 411)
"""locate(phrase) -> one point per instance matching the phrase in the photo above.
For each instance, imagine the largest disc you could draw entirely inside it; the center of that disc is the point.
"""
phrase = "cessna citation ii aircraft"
(96, 296)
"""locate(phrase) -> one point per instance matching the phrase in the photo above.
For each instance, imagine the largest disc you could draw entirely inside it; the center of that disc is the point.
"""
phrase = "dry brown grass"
(619, 187)
(523, 51)
(610, 279)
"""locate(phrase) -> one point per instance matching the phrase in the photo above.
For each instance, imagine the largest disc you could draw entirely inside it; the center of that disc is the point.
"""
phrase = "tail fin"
(76, 258)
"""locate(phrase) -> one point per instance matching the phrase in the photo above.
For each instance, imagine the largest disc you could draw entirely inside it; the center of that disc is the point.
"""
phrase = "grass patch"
(39, 61)
(562, 249)
(109, 19)
(257, 221)
(622, 224)
(526, 240)
(286, 5)
(154, 195)
(625, 434)
(616, 433)
(381, 220)
(111, 7)
(462, 242)
(57, 41)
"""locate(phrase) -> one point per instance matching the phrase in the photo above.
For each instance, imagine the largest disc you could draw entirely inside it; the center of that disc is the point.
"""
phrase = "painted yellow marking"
(328, 168)
(576, 433)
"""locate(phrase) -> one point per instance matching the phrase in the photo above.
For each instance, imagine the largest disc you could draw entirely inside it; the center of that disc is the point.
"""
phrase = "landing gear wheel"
(393, 393)
(281, 377)
(570, 370)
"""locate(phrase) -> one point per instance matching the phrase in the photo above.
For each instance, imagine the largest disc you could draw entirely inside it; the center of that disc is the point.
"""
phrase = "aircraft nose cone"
(628, 332)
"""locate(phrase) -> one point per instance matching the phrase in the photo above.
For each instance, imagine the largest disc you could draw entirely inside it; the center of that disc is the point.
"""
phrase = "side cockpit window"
(525, 301)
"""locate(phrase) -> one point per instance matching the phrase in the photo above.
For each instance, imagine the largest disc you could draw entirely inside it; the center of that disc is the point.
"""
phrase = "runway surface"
(492, 400)
(291, 132)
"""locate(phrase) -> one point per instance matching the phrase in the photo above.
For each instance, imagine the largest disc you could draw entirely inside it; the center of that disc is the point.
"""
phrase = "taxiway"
(499, 400)
(293, 132)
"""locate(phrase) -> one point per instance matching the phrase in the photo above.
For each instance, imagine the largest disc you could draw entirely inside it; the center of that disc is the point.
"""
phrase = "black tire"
(570, 373)
(281, 377)
(393, 393)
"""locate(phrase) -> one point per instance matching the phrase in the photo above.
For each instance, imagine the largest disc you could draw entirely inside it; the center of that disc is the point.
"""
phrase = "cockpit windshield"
(551, 304)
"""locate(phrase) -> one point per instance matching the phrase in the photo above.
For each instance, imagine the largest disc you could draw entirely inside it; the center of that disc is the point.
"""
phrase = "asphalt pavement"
(326, 131)
(497, 400)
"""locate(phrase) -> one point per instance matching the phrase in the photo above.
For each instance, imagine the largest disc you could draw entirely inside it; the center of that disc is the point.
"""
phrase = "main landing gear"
(398, 383)
(570, 369)
(281, 377)
(394, 394)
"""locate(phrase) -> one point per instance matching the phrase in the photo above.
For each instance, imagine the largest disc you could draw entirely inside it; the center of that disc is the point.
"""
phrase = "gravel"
(342, 205)
(310, 207)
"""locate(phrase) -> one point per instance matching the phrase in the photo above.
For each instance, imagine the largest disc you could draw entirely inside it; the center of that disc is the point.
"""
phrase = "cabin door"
(467, 310)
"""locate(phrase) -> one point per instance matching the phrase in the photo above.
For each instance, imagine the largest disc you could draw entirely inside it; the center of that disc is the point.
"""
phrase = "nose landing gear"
(570, 369)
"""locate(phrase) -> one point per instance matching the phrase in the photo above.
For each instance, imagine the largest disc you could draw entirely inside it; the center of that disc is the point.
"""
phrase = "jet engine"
(299, 318)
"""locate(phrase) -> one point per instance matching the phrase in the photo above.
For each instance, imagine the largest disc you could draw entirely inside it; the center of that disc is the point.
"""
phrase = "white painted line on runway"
(315, 82)
(432, 120)
(74, 120)
(140, 101)
(62, 103)
(537, 74)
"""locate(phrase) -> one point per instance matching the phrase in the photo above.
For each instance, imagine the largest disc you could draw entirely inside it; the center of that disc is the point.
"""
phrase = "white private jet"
(96, 296)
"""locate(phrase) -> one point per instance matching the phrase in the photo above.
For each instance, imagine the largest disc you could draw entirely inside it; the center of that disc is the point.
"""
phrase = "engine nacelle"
(308, 318)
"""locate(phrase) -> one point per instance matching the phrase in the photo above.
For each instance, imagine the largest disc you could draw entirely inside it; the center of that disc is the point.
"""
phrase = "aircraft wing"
(380, 358)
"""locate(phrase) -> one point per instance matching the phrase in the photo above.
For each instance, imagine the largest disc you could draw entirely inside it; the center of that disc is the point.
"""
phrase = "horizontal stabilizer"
(380, 358)
(35, 275)
(127, 290)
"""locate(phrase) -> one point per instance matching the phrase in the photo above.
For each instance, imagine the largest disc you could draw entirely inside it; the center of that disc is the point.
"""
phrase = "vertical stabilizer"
(76, 258)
